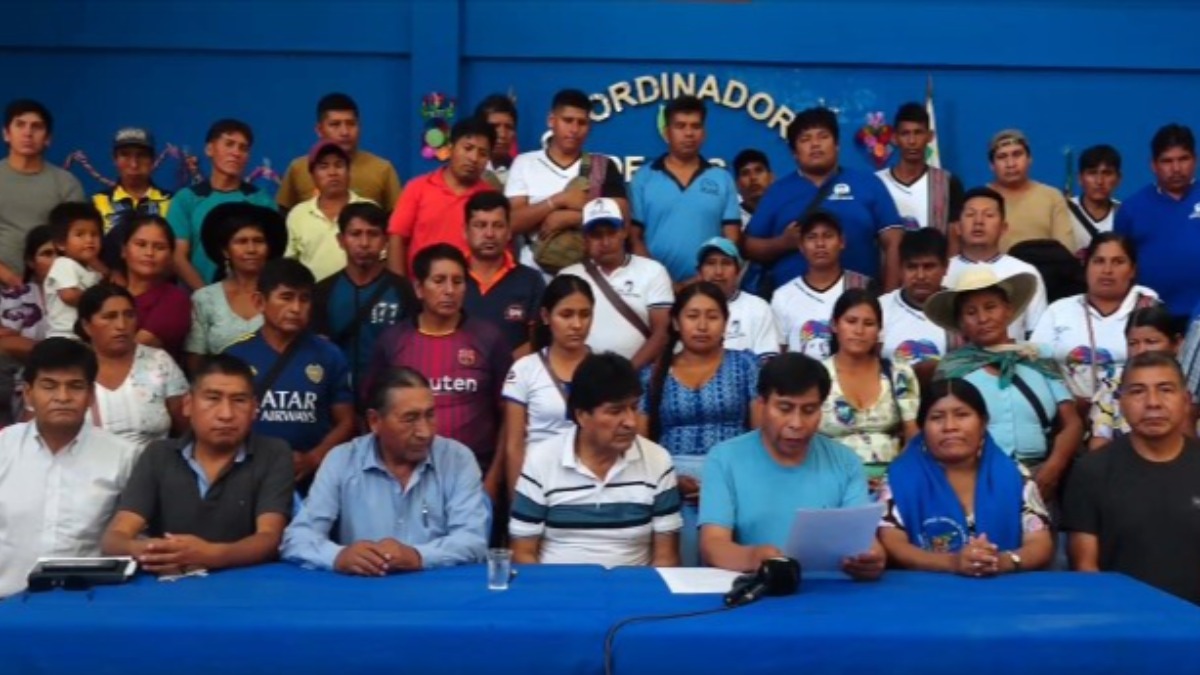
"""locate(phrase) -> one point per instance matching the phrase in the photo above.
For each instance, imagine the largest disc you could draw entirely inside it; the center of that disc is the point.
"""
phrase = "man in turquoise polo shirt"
(681, 201)
(754, 483)
(1163, 220)
(228, 148)
(859, 199)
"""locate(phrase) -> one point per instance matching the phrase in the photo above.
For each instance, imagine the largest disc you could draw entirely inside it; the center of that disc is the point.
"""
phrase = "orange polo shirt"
(429, 212)
(509, 265)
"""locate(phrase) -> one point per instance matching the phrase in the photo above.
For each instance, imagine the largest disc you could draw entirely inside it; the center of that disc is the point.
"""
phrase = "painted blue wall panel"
(1117, 34)
(1057, 109)
(339, 26)
(177, 95)
(1069, 72)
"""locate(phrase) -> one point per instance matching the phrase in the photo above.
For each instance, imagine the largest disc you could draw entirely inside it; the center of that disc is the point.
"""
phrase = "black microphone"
(776, 576)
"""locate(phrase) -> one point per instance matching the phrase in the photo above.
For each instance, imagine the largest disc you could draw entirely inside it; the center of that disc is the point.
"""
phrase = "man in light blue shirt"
(402, 498)
(680, 200)
(753, 484)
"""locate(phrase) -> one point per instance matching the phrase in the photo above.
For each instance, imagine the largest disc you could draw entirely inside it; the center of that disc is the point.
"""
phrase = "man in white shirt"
(751, 324)
(60, 477)
(548, 188)
(598, 494)
(804, 305)
(909, 337)
(926, 196)
(981, 228)
(633, 294)
(1094, 210)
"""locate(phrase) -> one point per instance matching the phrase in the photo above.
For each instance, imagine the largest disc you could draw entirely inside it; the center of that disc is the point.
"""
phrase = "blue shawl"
(932, 514)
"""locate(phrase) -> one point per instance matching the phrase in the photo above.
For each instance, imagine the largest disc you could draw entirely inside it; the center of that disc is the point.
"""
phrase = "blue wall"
(1070, 73)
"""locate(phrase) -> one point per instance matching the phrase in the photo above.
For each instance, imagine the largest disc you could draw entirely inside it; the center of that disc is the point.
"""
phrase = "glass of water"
(499, 568)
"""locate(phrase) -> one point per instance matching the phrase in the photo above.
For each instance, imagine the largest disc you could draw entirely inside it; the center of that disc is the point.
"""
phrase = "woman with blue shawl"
(955, 501)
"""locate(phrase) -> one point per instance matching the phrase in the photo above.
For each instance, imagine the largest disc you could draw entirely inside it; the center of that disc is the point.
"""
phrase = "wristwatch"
(1016, 560)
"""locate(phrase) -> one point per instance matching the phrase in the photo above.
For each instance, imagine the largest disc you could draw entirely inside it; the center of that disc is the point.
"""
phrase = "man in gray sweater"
(29, 187)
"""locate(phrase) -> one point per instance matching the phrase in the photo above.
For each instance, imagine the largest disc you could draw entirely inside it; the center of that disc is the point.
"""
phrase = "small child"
(76, 231)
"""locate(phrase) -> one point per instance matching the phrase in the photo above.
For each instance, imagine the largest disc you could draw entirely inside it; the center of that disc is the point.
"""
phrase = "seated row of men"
(403, 498)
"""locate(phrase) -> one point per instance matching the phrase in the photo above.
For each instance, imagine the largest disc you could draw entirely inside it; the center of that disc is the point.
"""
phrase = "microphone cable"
(611, 638)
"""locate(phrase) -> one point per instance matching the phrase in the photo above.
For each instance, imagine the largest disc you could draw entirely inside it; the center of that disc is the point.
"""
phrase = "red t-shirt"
(429, 212)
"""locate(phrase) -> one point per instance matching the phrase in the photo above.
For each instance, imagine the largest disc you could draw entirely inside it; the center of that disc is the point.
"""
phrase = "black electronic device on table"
(80, 573)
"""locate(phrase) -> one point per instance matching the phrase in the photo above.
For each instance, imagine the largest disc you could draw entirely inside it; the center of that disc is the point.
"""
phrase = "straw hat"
(1018, 288)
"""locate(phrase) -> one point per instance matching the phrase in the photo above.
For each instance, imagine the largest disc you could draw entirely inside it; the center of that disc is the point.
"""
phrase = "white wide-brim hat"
(1018, 288)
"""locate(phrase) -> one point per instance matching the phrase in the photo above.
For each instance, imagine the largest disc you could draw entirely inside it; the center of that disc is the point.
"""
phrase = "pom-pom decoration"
(876, 138)
(438, 111)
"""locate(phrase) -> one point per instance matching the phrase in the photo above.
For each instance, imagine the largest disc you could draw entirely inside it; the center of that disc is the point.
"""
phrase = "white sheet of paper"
(821, 538)
(697, 580)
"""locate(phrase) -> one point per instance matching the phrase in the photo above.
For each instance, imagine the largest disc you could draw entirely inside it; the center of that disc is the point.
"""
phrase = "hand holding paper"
(822, 540)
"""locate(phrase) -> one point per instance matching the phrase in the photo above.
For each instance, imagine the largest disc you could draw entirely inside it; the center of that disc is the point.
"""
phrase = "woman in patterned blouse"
(872, 407)
(697, 395)
(139, 389)
(955, 502)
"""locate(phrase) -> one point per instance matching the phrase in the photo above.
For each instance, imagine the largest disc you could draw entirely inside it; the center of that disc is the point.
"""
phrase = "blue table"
(282, 619)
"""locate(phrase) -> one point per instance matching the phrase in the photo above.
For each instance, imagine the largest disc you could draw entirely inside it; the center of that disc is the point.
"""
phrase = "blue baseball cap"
(720, 245)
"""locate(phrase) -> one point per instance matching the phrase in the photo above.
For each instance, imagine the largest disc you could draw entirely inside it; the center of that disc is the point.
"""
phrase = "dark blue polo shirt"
(859, 200)
(1166, 232)
(511, 304)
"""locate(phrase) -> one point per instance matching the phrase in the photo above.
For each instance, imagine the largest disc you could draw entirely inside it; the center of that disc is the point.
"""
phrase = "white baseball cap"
(603, 211)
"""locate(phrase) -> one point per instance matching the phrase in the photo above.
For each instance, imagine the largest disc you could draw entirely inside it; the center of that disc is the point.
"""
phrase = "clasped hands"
(174, 554)
(377, 558)
(978, 558)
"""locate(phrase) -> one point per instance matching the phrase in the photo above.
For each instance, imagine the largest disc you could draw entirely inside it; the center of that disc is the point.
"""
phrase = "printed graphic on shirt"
(279, 405)
(1080, 360)
(916, 351)
(941, 535)
(813, 338)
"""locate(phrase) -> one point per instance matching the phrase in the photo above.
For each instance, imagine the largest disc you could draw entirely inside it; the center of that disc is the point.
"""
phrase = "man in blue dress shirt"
(401, 498)
(859, 199)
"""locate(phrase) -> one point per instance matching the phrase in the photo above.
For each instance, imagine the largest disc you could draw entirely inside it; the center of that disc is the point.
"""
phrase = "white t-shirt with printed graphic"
(803, 313)
(530, 384)
(1006, 266)
(909, 336)
(1063, 329)
(751, 326)
(644, 285)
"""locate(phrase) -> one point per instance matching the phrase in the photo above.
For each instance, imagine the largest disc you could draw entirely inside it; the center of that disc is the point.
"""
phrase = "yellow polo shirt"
(312, 238)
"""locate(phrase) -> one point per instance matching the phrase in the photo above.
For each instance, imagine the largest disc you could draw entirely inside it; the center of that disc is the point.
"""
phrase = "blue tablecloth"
(281, 619)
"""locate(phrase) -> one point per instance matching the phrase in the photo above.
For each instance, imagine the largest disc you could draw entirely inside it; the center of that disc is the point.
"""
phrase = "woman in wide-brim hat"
(1032, 415)
(239, 238)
